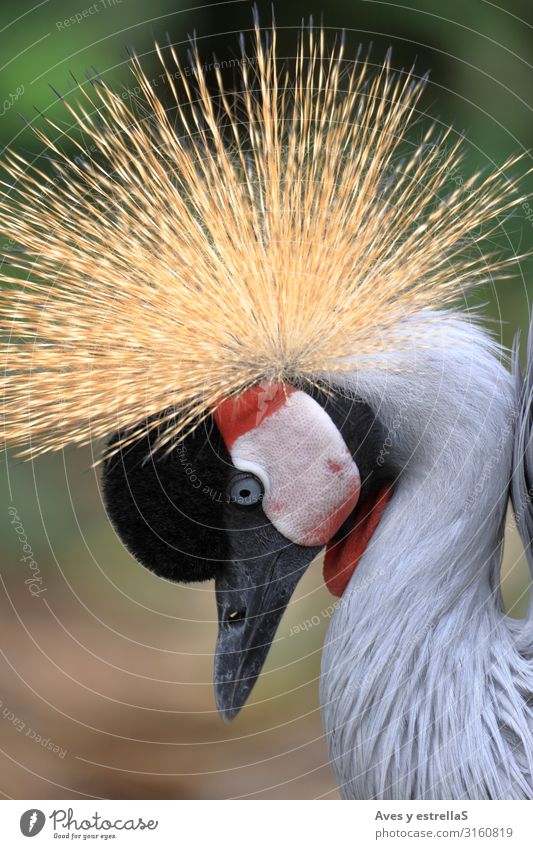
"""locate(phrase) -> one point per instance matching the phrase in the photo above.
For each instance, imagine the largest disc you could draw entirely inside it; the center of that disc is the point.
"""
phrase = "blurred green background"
(111, 665)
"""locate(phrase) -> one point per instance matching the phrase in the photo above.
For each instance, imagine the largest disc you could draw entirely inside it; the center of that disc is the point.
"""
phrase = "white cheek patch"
(311, 481)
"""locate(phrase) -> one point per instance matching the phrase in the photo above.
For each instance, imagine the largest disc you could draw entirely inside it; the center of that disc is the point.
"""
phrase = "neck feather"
(448, 407)
(420, 618)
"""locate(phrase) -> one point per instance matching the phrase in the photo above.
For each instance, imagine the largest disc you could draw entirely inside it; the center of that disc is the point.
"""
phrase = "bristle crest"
(271, 233)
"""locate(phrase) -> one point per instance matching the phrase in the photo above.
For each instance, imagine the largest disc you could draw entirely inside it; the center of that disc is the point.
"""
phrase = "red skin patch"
(241, 413)
(333, 467)
(343, 556)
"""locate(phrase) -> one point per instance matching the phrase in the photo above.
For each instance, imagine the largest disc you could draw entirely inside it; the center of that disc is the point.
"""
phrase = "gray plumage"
(426, 684)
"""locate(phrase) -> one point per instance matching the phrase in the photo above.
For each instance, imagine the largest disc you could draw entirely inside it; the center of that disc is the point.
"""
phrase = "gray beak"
(251, 599)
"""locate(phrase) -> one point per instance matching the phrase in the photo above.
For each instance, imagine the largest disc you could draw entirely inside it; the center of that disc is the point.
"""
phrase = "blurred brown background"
(105, 675)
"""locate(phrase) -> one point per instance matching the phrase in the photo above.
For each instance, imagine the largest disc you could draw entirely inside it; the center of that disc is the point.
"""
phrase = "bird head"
(271, 478)
(188, 281)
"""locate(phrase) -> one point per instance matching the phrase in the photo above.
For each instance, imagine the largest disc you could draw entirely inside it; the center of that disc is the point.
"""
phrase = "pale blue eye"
(245, 491)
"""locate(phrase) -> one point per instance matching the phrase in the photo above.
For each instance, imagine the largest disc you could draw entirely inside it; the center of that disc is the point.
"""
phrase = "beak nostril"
(235, 616)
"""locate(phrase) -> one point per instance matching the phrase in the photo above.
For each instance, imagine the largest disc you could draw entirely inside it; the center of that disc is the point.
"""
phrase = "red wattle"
(343, 556)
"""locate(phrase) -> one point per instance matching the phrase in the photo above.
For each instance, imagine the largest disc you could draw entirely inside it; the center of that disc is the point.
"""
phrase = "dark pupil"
(246, 492)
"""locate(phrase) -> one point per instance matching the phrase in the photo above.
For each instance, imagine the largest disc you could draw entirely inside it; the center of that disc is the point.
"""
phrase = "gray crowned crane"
(255, 297)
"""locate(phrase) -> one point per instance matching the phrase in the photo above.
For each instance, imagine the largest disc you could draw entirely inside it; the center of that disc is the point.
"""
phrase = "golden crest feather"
(270, 232)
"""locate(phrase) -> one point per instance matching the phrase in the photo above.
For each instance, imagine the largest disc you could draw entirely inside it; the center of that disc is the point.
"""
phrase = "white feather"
(425, 693)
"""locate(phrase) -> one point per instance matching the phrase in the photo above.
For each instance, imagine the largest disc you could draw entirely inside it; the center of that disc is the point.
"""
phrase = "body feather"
(430, 696)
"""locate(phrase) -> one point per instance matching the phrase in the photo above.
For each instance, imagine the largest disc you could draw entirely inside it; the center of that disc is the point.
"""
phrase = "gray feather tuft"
(427, 686)
(522, 473)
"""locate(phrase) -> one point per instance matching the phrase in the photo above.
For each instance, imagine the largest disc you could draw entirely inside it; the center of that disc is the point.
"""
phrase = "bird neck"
(448, 411)
(422, 611)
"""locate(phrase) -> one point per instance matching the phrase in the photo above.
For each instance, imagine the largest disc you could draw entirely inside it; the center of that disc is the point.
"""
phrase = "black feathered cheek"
(168, 510)
(174, 512)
